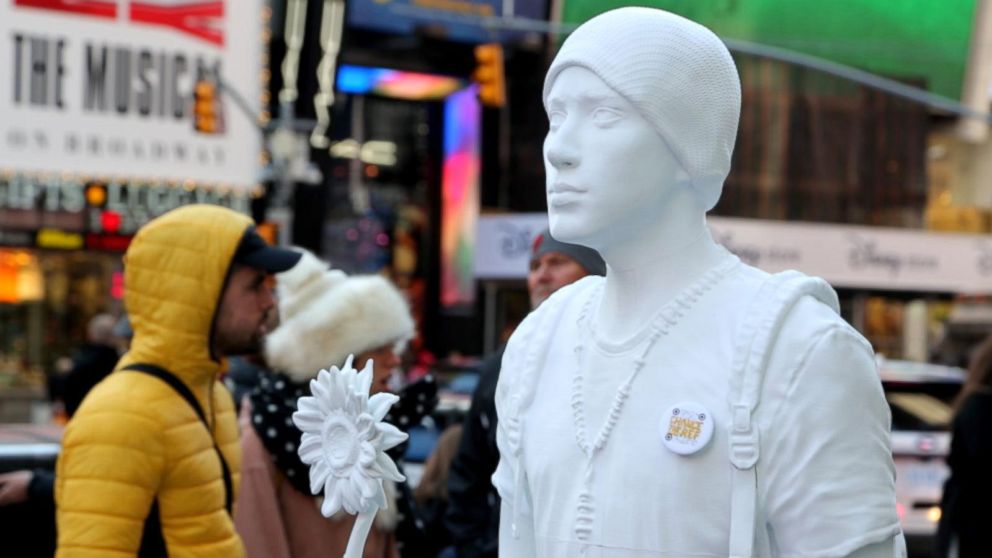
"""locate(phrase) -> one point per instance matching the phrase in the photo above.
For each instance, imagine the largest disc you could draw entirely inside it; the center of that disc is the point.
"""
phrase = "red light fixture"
(110, 221)
(117, 285)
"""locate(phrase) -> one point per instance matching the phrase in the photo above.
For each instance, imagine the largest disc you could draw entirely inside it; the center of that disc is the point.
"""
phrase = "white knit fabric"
(326, 316)
(677, 73)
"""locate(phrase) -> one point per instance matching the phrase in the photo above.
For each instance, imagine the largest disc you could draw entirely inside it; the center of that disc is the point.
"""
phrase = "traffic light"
(205, 107)
(489, 74)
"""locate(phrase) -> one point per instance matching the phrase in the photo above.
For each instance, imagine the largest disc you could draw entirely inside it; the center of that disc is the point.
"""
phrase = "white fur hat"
(677, 73)
(326, 316)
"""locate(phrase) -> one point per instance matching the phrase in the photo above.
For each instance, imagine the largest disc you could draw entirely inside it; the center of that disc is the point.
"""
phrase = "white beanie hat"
(326, 316)
(677, 73)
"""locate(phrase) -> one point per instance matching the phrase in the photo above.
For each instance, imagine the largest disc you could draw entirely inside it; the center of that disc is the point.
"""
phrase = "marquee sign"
(108, 89)
(59, 212)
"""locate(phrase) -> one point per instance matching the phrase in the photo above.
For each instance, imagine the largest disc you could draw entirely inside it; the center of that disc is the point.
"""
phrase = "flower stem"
(359, 533)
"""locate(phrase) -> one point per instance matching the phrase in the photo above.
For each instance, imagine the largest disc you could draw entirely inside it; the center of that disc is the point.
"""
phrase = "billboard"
(909, 39)
(109, 89)
(396, 84)
(460, 197)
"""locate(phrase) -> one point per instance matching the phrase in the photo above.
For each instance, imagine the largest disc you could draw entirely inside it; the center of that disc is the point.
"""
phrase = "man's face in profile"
(548, 273)
(244, 313)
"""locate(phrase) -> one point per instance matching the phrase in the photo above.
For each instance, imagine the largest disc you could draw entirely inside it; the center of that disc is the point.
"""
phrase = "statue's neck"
(649, 271)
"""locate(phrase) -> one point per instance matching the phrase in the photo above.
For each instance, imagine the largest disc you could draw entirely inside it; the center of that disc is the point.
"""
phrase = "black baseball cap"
(255, 252)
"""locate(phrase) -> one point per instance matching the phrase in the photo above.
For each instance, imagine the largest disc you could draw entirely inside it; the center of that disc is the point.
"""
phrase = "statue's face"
(608, 170)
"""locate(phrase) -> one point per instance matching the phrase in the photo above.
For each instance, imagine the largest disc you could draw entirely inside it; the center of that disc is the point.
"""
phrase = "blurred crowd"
(179, 432)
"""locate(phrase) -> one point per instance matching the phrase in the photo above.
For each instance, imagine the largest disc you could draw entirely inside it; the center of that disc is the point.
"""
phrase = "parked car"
(920, 396)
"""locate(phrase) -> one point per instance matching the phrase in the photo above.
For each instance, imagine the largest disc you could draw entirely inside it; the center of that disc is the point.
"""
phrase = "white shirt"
(825, 474)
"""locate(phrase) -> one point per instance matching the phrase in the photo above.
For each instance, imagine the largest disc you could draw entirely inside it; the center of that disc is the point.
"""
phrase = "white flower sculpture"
(344, 443)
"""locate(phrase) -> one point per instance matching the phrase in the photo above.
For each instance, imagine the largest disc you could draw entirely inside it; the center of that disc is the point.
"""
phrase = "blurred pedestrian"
(324, 317)
(966, 516)
(123, 334)
(150, 463)
(432, 492)
(94, 360)
(473, 510)
(15, 487)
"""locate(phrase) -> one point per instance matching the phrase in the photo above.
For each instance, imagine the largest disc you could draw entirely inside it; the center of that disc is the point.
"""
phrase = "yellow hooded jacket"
(134, 441)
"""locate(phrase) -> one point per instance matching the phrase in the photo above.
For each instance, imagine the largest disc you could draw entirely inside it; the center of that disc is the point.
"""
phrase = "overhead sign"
(863, 257)
(107, 88)
(847, 256)
(461, 20)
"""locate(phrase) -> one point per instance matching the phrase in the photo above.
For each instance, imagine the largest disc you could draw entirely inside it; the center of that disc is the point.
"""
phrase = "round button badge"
(686, 428)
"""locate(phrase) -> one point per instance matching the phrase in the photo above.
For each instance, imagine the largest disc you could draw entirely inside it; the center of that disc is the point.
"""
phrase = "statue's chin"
(573, 230)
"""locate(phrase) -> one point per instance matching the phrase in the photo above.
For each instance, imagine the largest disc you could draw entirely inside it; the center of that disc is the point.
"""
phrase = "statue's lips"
(564, 194)
(564, 198)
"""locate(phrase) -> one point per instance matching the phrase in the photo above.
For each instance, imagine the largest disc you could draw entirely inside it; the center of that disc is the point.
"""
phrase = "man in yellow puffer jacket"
(143, 472)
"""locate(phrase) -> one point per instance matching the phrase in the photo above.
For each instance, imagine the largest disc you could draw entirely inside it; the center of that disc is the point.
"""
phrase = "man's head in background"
(555, 264)
(100, 330)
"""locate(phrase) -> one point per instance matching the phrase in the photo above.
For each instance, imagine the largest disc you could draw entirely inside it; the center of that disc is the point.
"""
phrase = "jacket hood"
(174, 272)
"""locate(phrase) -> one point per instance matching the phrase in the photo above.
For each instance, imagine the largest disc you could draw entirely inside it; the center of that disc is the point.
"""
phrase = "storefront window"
(46, 300)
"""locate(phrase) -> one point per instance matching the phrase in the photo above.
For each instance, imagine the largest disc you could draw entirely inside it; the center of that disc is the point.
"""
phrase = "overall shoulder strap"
(184, 392)
(175, 383)
(768, 310)
(540, 331)
(526, 364)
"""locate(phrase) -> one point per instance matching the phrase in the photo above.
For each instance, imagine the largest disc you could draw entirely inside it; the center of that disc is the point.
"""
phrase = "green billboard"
(924, 40)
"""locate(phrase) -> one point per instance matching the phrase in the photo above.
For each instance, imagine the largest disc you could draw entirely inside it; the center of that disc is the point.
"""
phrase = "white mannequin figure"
(636, 200)
(643, 108)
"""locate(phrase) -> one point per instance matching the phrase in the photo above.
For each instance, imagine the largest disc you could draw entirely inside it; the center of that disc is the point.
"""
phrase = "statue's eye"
(605, 116)
(556, 118)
